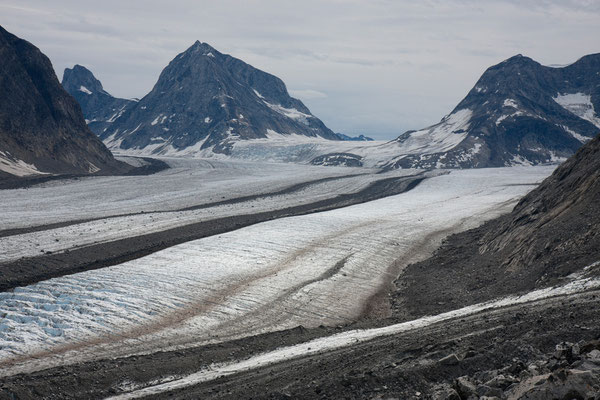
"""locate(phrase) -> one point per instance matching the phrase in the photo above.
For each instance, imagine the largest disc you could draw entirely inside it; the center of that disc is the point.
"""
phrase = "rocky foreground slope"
(553, 232)
(203, 100)
(42, 129)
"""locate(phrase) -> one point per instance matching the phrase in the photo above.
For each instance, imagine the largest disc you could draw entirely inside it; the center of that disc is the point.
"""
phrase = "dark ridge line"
(26, 271)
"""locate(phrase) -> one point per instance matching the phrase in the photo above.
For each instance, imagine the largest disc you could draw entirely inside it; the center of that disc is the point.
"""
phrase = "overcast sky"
(376, 67)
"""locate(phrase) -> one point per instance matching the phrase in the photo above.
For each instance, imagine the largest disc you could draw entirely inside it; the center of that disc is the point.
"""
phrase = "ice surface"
(189, 182)
(291, 147)
(306, 270)
(116, 115)
(581, 138)
(155, 121)
(441, 137)
(105, 230)
(291, 113)
(510, 103)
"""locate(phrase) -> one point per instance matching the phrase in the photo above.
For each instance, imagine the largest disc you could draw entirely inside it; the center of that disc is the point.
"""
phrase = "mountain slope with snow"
(99, 107)
(519, 112)
(205, 101)
(42, 129)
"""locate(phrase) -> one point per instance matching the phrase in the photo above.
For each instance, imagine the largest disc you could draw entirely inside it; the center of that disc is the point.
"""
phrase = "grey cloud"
(385, 65)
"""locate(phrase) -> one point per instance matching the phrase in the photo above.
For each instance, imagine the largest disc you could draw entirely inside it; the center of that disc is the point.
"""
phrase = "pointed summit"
(79, 78)
(201, 48)
(519, 112)
(99, 107)
(198, 104)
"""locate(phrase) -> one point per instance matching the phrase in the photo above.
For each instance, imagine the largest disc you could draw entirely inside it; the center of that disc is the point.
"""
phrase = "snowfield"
(307, 270)
(279, 147)
(579, 104)
(17, 167)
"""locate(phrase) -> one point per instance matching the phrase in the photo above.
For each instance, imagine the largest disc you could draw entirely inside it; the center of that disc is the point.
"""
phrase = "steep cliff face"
(203, 100)
(519, 112)
(42, 129)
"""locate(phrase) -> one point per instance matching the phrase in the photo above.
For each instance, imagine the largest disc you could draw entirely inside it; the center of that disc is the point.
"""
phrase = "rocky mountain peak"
(518, 112)
(199, 46)
(79, 78)
(42, 129)
(206, 100)
(99, 107)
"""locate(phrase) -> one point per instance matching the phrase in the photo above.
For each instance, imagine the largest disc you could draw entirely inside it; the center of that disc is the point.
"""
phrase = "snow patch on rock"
(84, 90)
(17, 167)
(579, 104)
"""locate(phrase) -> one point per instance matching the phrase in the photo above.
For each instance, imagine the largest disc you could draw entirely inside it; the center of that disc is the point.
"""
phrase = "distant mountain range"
(203, 100)
(519, 112)
(359, 138)
(42, 129)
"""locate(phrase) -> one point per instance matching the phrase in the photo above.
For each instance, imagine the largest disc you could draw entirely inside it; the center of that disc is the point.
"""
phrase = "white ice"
(510, 103)
(306, 270)
(104, 230)
(581, 138)
(291, 113)
(187, 183)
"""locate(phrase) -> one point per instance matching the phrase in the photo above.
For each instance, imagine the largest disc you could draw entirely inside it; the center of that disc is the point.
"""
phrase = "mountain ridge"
(205, 100)
(99, 107)
(518, 112)
(42, 129)
(552, 233)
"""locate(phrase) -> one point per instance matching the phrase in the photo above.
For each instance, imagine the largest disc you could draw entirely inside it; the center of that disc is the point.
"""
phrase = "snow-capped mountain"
(99, 107)
(519, 112)
(42, 129)
(206, 100)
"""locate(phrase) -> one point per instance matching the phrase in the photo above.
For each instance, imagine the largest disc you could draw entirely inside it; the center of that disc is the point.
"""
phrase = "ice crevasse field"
(305, 270)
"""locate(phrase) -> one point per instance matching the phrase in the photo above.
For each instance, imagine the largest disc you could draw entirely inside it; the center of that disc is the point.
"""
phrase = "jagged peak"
(81, 76)
(80, 67)
(199, 46)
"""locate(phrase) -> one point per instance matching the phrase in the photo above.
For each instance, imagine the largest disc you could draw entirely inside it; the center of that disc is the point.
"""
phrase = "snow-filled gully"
(349, 338)
(308, 270)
